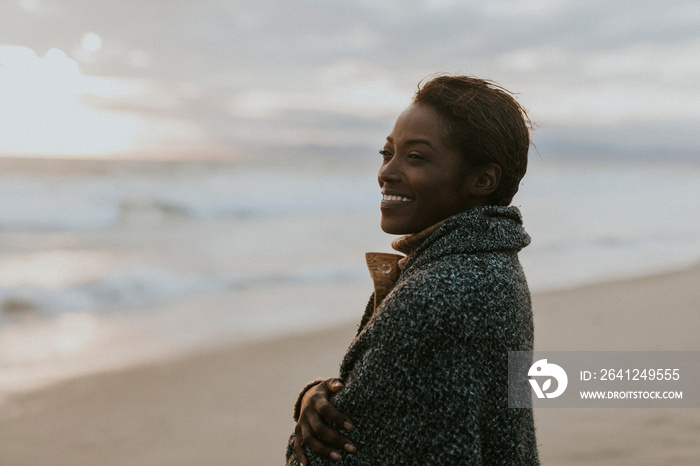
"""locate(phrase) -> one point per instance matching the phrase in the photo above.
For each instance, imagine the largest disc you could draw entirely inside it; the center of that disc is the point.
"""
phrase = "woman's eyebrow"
(414, 141)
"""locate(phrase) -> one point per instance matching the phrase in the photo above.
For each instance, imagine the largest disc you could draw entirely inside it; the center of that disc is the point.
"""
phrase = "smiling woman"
(425, 380)
(42, 111)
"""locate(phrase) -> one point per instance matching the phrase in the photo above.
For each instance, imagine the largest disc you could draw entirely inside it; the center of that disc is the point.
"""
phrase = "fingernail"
(348, 426)
(335, 455)
(350, 447)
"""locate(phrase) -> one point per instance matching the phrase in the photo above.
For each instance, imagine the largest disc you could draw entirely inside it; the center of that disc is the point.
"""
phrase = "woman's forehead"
(418, 124)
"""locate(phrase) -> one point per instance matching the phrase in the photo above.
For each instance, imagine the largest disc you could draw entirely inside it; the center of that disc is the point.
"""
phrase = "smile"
(387, 197)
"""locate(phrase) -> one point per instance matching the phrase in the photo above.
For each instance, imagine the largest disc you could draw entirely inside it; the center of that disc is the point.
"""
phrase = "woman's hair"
(485, 124)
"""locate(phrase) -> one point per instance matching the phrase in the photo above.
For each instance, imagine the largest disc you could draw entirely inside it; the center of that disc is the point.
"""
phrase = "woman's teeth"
(387, 197)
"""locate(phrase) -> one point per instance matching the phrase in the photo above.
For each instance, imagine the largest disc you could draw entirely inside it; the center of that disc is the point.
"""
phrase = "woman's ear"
(486, 179)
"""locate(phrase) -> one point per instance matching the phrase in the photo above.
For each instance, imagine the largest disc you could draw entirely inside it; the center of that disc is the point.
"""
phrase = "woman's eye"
(413, 155)
(385, 153)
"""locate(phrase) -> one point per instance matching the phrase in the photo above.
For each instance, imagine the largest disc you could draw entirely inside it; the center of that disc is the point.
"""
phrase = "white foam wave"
(119, 289)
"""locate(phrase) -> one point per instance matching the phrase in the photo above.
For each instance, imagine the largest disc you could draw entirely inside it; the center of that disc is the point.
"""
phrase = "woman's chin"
(393, 227)
(388, 227)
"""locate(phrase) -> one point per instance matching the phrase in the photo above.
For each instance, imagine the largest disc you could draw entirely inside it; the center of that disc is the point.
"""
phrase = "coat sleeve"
(426, 380)
(415, 390)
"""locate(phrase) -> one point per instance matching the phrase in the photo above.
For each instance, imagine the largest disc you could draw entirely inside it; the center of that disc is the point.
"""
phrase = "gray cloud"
(301, 56)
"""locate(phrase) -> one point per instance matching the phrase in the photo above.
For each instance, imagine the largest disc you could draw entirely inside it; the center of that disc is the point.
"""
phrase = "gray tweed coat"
(426, 377)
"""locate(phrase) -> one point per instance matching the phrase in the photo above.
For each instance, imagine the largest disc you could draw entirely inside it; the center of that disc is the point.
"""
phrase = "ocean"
(104, 264)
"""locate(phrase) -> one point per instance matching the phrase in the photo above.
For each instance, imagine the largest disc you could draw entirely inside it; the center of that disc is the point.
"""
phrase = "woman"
(425, 379)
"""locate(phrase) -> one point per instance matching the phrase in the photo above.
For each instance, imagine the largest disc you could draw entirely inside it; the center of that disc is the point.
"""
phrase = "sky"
(231, 78)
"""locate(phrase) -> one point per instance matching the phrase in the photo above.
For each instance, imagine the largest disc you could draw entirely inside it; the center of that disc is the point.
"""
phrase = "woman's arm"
(414, 394)
(427, 381)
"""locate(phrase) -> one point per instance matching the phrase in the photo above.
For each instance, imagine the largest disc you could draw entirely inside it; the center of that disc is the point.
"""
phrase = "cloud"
(214, 64)
(41, 109)
(664, 141)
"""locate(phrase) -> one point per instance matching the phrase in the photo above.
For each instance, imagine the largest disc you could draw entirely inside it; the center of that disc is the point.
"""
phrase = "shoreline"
(232, 403)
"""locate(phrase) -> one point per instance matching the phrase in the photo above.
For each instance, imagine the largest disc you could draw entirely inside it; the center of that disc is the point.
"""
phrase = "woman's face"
(423, 180)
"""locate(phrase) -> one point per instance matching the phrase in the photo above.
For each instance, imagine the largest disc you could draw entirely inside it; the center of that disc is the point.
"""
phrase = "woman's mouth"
(394, 200)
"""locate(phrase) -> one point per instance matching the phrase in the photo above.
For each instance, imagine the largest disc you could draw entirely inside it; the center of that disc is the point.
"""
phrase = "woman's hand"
(311, 430)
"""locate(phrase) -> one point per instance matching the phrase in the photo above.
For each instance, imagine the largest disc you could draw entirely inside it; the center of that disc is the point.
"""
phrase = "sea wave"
(79, 203)
(147, 286)
(119, 289)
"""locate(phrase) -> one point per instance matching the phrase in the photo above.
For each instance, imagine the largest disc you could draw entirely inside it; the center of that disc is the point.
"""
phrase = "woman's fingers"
(299, 445)
(334, 385)
(330, 412)
(330, 436)
(310, 440)
(313, 432)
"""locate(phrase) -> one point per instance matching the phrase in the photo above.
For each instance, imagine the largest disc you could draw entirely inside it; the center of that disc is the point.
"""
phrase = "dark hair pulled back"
(485, 124)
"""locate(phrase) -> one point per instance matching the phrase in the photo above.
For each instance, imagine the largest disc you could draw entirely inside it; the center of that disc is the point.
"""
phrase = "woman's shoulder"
(463, 286)
(455, 272)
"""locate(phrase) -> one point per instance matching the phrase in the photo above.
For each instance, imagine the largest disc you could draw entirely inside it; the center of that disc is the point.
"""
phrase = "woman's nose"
(389, 171)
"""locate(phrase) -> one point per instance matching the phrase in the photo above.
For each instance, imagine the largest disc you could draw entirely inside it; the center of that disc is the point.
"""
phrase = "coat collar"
(385, 268)
(485, 228)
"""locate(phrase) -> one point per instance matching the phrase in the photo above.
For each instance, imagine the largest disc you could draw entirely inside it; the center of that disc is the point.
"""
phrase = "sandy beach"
(233, 405)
